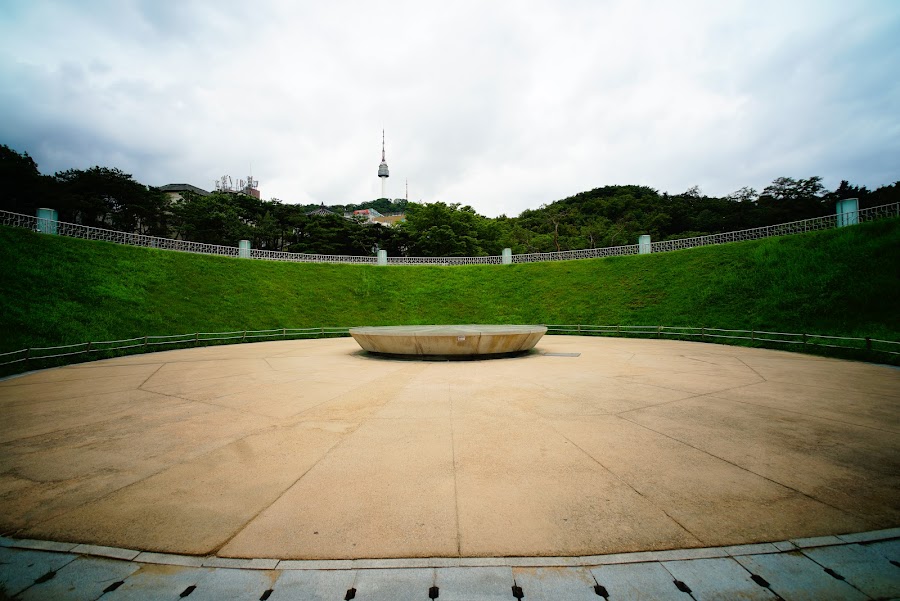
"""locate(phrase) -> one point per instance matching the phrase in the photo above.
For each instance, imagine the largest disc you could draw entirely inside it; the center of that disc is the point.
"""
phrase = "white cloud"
(503, 106)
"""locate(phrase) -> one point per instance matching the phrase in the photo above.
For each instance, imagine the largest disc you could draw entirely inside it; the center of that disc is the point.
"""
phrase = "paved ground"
(309, 450)
(861, 566)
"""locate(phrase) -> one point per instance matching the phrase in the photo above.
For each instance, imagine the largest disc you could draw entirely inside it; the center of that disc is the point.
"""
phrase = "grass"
(56, 290)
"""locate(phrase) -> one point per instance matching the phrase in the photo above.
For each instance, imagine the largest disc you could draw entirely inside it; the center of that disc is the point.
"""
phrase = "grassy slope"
(57, 290)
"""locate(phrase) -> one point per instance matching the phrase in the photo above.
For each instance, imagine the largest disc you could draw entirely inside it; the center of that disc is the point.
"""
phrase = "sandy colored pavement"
(309, 449)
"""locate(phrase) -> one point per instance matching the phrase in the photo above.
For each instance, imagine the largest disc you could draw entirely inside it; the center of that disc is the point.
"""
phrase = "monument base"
(457, 341)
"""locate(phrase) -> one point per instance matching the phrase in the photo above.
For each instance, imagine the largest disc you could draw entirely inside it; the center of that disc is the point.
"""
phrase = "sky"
(504, 106)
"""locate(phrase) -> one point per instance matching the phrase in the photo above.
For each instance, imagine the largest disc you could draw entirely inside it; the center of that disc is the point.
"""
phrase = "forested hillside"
(605, 216)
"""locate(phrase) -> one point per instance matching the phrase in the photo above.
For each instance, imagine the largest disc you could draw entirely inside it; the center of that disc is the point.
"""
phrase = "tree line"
(607, 216)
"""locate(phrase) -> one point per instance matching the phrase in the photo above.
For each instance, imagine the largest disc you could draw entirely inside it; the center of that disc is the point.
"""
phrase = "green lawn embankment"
(56, 290)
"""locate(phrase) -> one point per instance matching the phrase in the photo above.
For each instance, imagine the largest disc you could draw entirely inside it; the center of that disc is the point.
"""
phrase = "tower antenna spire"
(383, 168)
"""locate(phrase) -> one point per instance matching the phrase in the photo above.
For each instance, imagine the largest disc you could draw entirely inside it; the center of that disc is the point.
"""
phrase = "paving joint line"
(809, 415)
(289, 487)
(628, 484)
(799, 492)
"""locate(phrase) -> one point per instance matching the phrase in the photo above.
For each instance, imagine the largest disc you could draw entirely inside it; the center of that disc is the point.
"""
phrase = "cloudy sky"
(500, 105)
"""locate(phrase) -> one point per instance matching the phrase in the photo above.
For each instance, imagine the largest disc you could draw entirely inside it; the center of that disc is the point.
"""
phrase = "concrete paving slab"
(853, 472)
(563, 496)
(391, 585)
(696, 382)
(286, 399)
(84, 371)
(243, 477)
(796, 577)
(386, 491)
(713, 499)
(43, 545)
(312, 585)
(870, 535)
(38, 391)
(257, 563)
(170, 559)
(158, 583)
(315, 564)
(101, 551)
(888, 548)
(824, 372)
(47, 475)
(864, 568)
(638, 582)
(784, 545)
(716, 579)
(750, 549)
(34, 419)
(474, 584)
(859, 406)
(816, 541)
(83, 579)
(551, 584)
(238, 585)
(19, 568)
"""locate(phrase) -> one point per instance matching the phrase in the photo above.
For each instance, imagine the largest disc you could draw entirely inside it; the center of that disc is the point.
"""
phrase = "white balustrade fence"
(74, 230)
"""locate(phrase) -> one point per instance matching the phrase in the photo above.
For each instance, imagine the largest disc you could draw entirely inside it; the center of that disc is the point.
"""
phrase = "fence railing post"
(196, 338)
(868, 343)
(644, 245)
(847, 212)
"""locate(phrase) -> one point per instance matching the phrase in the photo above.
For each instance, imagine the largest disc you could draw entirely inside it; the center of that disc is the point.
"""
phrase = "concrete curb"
(264, 563)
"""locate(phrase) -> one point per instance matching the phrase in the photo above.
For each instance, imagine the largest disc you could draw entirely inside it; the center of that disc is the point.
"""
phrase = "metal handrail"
(196, 338)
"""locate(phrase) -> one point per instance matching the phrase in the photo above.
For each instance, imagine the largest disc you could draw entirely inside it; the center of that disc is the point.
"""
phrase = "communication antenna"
(407, 189)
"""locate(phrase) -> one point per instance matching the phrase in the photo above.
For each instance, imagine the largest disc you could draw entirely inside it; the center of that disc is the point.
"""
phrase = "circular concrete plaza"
(312, 450)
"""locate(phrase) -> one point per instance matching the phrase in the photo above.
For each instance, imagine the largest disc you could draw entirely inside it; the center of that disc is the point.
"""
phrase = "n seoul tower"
(383, 168)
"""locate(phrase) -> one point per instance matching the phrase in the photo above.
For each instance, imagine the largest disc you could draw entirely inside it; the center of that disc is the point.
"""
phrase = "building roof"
(322, 210)
(176, 188)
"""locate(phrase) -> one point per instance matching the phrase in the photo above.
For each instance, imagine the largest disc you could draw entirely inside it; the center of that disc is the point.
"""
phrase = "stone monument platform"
(449, 341)
(312, 450)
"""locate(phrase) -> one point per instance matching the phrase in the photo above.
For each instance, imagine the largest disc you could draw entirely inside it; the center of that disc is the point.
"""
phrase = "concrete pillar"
(382, 257)
(847, 212)
(644, 245)
(244, 249)
(507, 256)
(47, 219)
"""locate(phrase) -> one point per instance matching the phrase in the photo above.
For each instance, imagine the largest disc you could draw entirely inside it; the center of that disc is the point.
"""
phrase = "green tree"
(22, 187)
